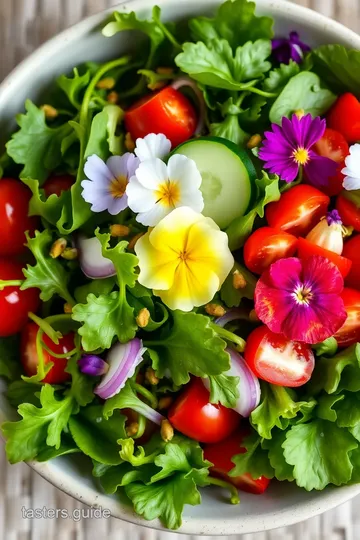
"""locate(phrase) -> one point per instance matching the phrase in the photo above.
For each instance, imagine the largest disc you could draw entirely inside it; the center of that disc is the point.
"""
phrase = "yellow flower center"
(168, 194)
(303, 295)
(118, 186)
(301, 156)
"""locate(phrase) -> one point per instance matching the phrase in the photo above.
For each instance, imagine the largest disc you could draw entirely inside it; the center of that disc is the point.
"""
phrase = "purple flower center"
(333, 218)
(303, 294)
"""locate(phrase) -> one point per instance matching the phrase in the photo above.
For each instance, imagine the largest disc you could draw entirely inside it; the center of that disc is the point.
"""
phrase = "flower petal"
(303, 324)
(185, 171)
(322, 276)
(350, 183)
(157, 268)
(125, 165)
(272, 305)
(152, 146)
(171, 234)
(319, 170)
(313, 130)
(284, 274)
(98, 196)
(97, 171)
(153, 216)
(140, 199)
(117, 205)
(151, 174)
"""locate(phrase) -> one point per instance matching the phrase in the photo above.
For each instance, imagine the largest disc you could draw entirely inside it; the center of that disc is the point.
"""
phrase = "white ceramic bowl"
(284, 503)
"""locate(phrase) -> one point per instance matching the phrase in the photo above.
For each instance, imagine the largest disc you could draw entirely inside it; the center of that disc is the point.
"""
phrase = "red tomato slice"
(344, 117)
(349, 212)
(14, 220)
(29, 357)
(278, 360)
(167, 111)
(220, 455)
(266, 246)
(352, 252)
(333, 145)
(349, 333)
(306, 249)
(194, 416)
(298, 210)
(14, 303)
(55, 185)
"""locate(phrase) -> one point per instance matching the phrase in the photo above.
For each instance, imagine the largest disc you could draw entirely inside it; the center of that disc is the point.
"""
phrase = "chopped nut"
(158, 85)
(67, 308)
(143, 318)
(165, 70)
(151, 377)
(215, 310)
(50, 112)
(166, 431)
(134, 239)
(129, 143)
(58, 248)
(299, 113)
(132, 429)
(347, 231)
(119, 231)
(239, 281)
(140, 377)
(165, 402)
(113, 97)
(254, 141)
(107, 83)
(70, 254)
(253, 316)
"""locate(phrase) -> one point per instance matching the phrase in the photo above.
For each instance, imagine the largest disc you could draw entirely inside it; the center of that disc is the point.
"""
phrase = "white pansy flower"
(157, 189)
(352, 169)
(152, 146)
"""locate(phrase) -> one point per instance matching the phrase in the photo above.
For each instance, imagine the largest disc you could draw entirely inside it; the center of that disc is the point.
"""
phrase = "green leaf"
(338, 67)
(283, 471)
(278, 78)
(344, 409)
(191, 347)
(19, 392)
(67, 447)
(224, 389)
(251, 60)
(127, 453)
(123, 475)
(43, 157)
(126, 399)
(82, 386)
(328, 347)
(74, 86)
(96, 287)
(97, 436)
(304, 91)
(229, 129)
(49, 208)
(233, 297)
(325, 406)
(254, 461)
(341, 372)
(314, 450)
(9, 358)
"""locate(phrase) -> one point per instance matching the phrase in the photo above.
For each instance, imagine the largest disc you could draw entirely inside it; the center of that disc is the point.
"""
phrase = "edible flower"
(292, 48)
(105, 188)
(301, 299)
(288, 148)
(93, 365)
(328, 233)
(157, 189)
(185, 259)
(352, 169)
(152, 146)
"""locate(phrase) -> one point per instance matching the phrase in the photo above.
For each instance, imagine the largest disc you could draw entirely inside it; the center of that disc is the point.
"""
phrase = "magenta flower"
(292, 48)
(288, 147)
(301, 299)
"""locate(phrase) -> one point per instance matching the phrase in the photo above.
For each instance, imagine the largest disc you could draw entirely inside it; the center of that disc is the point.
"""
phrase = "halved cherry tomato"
(349, 333)
(333, 145)
(220, 455)
(14, 219)
(298, 210)
(193, 415)
(167, 111)
(344, 116)
(266, 246)
(277, 360)
(14, 303)
(29, 357)
(55, 185)
(349, 212)
(352, 252)
(306, 249)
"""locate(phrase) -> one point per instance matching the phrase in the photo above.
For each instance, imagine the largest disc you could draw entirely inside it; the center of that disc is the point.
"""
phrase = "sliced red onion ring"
(123, 358)
(234, 314)
(151, 414)
(92, 262)
(185, 81)
(249, 386)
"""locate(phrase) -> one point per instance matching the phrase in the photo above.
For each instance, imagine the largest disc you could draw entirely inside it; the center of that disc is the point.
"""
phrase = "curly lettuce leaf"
(283, 471)
(254, 461)
(74, 86)
(20, 391)
(341, 372)
(224, 389)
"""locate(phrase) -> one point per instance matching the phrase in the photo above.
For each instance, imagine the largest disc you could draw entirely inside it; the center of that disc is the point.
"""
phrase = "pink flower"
(301, 299)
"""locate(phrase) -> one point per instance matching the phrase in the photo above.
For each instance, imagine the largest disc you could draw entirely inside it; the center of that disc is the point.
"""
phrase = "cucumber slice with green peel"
(228, 177)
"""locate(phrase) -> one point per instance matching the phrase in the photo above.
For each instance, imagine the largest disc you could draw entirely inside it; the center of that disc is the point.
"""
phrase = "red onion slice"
(123, 358)
(185, 81)
(234, 314)
(92, 262)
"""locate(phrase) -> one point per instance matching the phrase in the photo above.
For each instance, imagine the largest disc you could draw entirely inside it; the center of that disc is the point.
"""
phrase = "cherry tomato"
(344, 117)
(29, 357)
(349, 212)
(333, 145)
(194, 416)
(55, 185)
(167, 111)
(266, 246)
(220, 455)
(14, 303)
(306, 249)
(278, 360)
(352, 252)
(349, 333)
(14, 219)
(298, 210)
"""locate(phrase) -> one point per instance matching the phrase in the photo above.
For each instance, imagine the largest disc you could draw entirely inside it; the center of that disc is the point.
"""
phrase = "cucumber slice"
(228, 177)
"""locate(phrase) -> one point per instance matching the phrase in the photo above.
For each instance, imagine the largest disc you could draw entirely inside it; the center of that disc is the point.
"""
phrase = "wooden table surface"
(24, 25)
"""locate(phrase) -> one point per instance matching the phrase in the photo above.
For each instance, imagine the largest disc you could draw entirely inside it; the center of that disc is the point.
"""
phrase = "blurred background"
(24, 25)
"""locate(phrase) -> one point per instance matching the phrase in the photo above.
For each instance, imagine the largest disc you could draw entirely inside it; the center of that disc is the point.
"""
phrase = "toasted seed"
(158, 85)
(70, 254)
(215, 310)
(166, 431)
(143, 318)
(129, 143)
(50, 112)
(67, 308)
(239, 281)
(165, 402)
(254, 141)
(58, 248)
(113, 97)
(165, 70)
(119, 231)
(107, 83)
(151, 377)
(132, 429)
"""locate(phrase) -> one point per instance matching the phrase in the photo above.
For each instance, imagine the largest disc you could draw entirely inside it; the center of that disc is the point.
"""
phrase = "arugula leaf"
(224, 389)
(313, 450)
(95, 286)
(283, 471)
(190, 347)
(9, 358)
(43, 157)
(74, 86)
(96, 435)
(233, 297)
(338, 67)
(19, 392)
(254, 461)
(304, 91)
(341, 372)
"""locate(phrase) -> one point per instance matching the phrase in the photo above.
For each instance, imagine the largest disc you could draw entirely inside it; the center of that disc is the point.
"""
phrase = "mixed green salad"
(180, 264)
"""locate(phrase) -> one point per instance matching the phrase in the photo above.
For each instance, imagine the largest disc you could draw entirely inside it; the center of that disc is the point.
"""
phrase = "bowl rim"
(191, 525)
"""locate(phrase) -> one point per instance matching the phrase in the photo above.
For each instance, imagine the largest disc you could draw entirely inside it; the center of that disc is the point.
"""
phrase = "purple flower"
(301, 299)
(333, 218)
(106, 187)
(292, 48)
(93, 365)
(288, 147)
